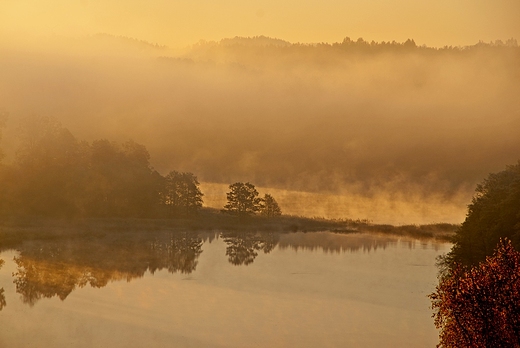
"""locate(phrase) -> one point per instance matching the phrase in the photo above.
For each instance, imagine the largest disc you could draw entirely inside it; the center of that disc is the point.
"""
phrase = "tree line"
(56, 175)
(252, 46)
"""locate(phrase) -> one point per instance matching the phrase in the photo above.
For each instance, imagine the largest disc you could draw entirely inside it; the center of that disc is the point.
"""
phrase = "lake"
(220, 289)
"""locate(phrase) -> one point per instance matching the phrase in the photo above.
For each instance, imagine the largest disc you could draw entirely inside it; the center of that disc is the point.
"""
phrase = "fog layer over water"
(375, 129)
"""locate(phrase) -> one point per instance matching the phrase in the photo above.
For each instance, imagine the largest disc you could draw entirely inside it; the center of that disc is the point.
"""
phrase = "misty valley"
(253, 192)
(337, 129)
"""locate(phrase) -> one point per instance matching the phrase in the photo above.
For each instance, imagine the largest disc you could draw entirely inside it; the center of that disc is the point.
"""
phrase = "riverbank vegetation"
(476, 303)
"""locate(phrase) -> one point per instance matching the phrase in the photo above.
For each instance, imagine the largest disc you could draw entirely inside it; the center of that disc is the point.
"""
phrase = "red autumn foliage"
(480, 306)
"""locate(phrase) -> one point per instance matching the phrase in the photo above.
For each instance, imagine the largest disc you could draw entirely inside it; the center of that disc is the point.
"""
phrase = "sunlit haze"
(182, 23)
(382, 128)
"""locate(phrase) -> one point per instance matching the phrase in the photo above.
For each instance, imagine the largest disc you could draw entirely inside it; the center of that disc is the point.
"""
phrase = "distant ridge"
(128, 41)
(258, 41)
(259, 50)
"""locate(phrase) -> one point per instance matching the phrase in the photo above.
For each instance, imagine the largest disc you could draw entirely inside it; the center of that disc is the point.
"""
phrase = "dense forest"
(56, 175)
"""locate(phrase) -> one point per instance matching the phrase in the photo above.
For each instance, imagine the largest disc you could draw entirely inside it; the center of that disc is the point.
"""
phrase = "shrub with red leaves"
(480, 306)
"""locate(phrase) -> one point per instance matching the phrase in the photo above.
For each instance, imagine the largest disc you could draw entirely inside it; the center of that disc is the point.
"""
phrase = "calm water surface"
(220, 290)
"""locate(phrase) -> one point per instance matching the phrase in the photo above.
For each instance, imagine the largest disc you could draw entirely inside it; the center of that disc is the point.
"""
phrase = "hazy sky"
(181, 23)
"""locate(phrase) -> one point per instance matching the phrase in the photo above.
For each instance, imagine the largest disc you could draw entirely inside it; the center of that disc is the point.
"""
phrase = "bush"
(480, 306)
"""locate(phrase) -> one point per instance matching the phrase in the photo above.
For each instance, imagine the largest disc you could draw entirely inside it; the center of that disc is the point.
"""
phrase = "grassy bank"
(14, 230)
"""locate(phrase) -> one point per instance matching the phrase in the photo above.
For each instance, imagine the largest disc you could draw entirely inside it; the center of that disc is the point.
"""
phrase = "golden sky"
(180, 23)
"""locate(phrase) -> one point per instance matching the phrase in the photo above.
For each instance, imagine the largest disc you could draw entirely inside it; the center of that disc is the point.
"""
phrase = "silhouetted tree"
(493, 214)
(409, 44)
(243, 199)
(143, 182)
(121, 182)
(480, 307)
(182, 194)
(270, 207)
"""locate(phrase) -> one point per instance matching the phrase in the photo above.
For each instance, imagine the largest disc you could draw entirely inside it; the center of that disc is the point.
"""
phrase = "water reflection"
(242, 247)
(55, 268)
(352, 242)
(2, 295)
(47, 269)
(337, 290)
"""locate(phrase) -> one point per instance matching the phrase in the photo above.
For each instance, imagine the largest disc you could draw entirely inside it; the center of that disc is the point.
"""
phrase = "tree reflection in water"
(47, 269)
(242, 247)
(50, 268)
(352, 242)
(2, 295)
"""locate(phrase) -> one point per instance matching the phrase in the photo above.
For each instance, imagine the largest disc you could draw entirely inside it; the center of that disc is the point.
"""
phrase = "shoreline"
(16, 230)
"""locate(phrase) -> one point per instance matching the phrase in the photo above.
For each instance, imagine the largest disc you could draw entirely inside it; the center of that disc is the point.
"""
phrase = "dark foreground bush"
(480, 306)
